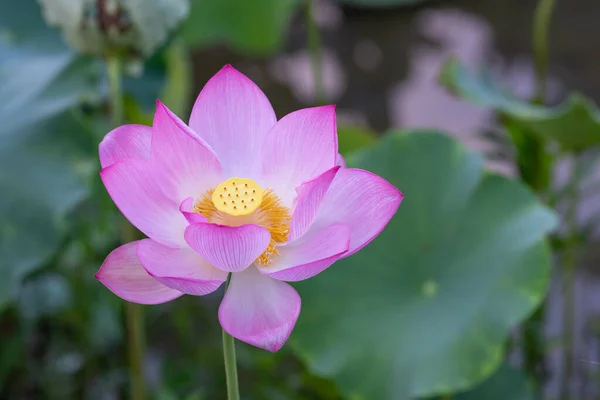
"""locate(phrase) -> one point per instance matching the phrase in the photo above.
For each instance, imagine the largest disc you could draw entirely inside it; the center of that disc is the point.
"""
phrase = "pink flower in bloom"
(237, 192)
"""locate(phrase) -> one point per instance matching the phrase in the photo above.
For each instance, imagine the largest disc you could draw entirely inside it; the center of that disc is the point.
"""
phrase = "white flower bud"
(133, 28)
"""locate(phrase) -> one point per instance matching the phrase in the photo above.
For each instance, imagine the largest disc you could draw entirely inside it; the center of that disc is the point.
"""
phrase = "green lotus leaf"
(45, 150)
(506, 384)
(425, 308)
(256, 27)
(575, 123)
(352, 138)
(41, 180)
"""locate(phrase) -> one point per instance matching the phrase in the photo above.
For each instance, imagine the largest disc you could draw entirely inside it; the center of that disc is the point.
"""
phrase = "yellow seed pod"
(237, 196)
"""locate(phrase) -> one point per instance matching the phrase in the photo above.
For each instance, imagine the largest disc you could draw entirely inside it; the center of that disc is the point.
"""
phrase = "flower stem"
(314, 45)
(233, 391)
(541, 28)
(136, 340)
(114, 68)
(135, 323)
(570, 267)
(133, 312)
(536, 167)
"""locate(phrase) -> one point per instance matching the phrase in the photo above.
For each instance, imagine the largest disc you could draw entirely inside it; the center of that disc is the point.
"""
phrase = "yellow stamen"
(247, 196)
(265, 205)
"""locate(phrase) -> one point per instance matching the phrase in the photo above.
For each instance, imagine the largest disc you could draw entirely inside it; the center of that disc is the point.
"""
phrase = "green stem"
(533, 347)
(233, 392)
(314, 45)
(133, 312)
(541, 28)
(114, 68)
(136, 339)
(135, 323)
(570, 266)
(535, 165)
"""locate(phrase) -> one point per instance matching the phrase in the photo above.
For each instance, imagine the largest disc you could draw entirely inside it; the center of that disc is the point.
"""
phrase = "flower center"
(241, 201)
(237, 196)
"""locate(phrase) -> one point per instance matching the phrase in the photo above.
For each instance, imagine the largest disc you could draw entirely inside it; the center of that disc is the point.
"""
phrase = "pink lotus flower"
(237, 192)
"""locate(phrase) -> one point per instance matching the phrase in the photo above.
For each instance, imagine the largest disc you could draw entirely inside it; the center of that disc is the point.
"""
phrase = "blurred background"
(475, 291)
